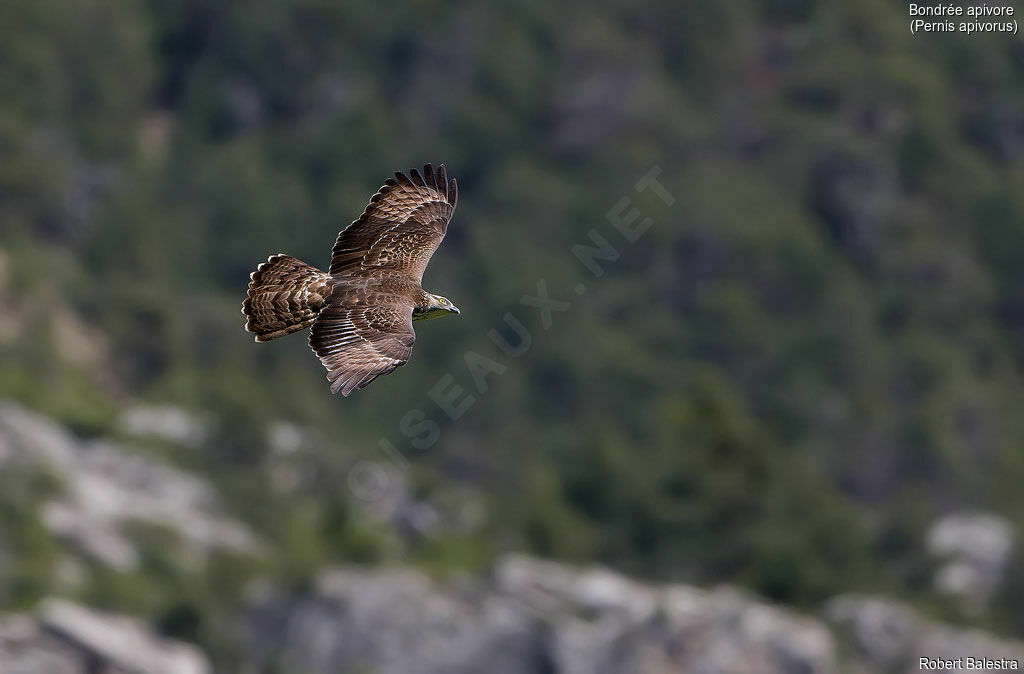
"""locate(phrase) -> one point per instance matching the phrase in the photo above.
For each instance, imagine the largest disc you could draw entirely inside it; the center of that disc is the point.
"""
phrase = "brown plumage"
(362, 309)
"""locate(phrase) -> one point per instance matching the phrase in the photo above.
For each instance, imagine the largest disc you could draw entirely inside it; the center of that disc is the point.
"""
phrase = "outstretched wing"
(359, 339)
(401, 227)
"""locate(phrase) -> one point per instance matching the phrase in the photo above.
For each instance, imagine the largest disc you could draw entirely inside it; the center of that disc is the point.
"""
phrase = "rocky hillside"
(88, 497)
(104, 486)
(533, 617)
(529, 617)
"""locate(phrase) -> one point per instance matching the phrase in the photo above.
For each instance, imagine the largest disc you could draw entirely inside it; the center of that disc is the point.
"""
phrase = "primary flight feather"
(362, 309)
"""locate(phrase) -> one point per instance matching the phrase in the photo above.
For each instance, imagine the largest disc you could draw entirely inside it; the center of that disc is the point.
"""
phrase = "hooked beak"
(456, 309)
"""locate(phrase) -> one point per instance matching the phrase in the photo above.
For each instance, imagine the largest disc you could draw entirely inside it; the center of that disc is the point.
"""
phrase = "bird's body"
(361, 311)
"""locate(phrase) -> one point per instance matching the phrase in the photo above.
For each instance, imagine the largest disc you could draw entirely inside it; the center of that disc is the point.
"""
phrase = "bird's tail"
(284, 296)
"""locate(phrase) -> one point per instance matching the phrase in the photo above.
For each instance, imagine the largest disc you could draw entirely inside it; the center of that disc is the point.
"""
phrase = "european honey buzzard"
(362, 310)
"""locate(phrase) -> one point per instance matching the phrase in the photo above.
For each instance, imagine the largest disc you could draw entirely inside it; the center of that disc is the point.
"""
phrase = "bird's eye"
(444, 301)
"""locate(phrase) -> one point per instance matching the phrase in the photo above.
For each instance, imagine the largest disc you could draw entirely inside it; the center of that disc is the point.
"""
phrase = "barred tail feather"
(285, 295)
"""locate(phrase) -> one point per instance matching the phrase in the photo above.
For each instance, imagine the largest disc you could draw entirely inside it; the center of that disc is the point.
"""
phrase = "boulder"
(888, 637)
(973, 549)
(70, 639)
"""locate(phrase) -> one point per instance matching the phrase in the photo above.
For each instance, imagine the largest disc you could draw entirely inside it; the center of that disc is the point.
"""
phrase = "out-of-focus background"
(769, 420)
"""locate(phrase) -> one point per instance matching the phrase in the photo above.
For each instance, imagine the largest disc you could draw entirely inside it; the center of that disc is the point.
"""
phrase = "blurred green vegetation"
(815, 351)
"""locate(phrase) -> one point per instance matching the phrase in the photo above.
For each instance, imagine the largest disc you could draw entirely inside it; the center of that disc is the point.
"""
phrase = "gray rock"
(883, 632)
(974, 549)
(535, 617)
(392, 621)
(889, 637)
(24, 649)
(70, 639)
(285, 438)
(107, 486)
(602, 622)
(541, 617)
(166, 422)
(123, 643)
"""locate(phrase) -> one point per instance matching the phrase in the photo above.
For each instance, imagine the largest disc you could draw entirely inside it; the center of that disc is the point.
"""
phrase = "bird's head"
(436, 307)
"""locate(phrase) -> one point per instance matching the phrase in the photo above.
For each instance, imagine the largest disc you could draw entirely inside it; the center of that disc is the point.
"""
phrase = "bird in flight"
(362, 309)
